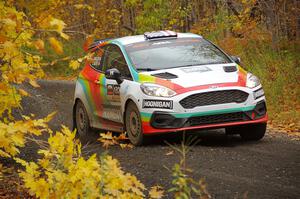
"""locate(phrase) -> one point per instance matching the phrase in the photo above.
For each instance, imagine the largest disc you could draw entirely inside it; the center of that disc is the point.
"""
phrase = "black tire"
(134, 124)
(231, 130)
(253, 132)
(81, 120)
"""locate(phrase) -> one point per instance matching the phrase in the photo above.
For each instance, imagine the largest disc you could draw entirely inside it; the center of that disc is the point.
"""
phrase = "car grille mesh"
(214, 97)
(220, 118)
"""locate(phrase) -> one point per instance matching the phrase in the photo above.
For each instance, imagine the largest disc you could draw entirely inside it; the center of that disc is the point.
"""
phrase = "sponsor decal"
(110, 89)
(196, 69)
(164, 104)
(97, 61)
(112, 114)
(113, 89)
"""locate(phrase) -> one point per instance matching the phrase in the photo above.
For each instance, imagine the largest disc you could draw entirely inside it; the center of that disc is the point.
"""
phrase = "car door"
(92, 79)
(113, 58)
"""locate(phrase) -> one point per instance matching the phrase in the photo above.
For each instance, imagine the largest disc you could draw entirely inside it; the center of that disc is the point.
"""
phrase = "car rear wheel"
(134, 125)
(82, 123)
(254, 132)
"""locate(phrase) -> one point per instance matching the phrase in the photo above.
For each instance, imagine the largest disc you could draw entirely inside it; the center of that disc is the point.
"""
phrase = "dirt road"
(266, 169)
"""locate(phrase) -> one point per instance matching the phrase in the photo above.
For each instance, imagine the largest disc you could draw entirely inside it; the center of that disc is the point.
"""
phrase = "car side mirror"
(114, 74)
(236, 59)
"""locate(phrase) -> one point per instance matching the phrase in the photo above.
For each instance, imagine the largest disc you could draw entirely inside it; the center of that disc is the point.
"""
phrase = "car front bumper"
(252, 110)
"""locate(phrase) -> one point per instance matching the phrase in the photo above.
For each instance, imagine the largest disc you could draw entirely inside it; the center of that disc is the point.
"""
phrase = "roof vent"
(160, 35)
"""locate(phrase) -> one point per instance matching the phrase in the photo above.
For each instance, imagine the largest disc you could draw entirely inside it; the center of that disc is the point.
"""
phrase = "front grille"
(220, 118)
(214, 97)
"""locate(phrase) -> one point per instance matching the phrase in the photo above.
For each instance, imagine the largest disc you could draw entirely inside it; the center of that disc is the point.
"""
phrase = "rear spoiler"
(89, 45)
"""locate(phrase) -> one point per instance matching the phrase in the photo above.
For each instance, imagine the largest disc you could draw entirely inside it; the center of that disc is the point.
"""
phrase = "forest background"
(44, 39)
(265, 34)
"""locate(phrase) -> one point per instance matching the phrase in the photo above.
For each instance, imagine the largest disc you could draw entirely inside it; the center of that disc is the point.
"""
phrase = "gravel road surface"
(266, 169)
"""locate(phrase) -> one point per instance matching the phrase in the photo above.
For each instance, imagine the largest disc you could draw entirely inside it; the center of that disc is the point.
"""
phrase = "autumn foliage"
(38, 36)
(63, 171)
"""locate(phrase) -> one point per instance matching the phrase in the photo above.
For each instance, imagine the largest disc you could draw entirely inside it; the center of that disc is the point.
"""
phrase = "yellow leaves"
(108, 139)
(41, 188)
(58, 25)
(156, 192)
(123, 146)
(170, 153)
(12, 135)
(50, 23)
(17, 65)
(9, 98)
(83, 6)
(56, 45)
(74, 64)
(9, 50)
(8, 22)
(117, 182)
(2, 39)
(63, 172)
(33, 83)
(39, 45)
(49, 117)
(62, 143)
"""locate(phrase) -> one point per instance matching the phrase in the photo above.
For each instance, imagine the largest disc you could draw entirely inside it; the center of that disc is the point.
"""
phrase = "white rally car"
(166, 82)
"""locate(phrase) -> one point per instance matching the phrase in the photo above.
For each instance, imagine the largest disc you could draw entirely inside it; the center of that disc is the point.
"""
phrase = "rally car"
(163, 82)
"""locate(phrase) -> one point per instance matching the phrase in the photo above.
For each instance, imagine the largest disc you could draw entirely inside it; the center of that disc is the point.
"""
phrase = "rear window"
(172, 53)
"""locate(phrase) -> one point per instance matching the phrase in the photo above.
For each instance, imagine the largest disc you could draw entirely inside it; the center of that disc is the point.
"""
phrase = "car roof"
(140, 38)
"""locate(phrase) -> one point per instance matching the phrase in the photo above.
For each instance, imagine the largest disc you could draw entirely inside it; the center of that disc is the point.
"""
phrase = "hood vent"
(165, 75)
(229, 69)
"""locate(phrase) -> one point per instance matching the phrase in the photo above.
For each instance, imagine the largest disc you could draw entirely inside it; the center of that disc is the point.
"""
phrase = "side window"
(96, 59)
(113, 58)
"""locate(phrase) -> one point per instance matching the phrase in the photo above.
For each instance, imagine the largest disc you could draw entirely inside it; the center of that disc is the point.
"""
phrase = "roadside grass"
(278, 69)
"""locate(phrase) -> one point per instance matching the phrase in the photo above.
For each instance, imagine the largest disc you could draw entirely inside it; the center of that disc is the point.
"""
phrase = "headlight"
(252, 81)
(157, 90)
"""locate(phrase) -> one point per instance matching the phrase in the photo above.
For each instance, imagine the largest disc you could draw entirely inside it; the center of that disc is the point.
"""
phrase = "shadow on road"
(205, 138)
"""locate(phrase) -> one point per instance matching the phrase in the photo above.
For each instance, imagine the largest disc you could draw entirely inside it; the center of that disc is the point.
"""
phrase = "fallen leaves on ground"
(169, 153)
(10, 185)
(108, 139)
(156, 192)
(292, 129)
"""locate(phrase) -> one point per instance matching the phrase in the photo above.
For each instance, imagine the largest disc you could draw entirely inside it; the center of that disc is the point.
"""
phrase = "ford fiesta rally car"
(166, 82)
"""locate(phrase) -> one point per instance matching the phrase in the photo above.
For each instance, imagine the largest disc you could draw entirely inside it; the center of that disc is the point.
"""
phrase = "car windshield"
(172, 53)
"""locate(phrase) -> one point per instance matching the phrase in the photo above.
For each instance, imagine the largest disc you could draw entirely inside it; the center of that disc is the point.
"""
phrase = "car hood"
(199, 75)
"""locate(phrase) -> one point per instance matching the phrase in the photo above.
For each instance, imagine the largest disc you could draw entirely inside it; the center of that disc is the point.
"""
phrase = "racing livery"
(166, 82)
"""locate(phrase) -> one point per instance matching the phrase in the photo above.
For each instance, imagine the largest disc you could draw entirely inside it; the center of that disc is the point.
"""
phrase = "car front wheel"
(134, 125)
(254, 132)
